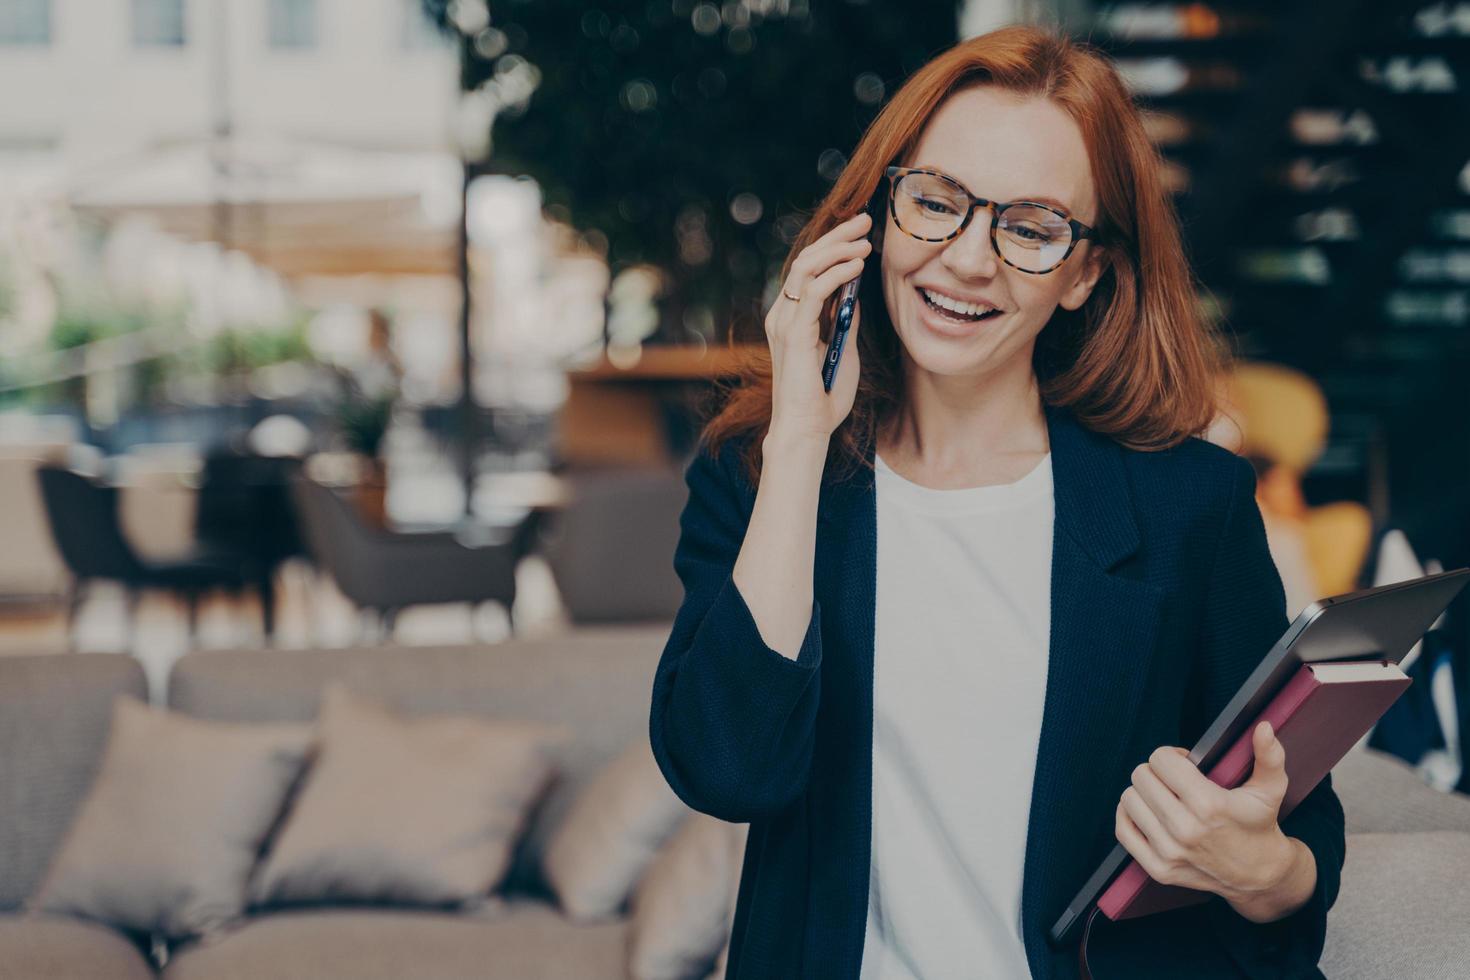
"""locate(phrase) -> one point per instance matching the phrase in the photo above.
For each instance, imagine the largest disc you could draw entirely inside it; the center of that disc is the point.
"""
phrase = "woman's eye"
(935, 207)
(1029, 233)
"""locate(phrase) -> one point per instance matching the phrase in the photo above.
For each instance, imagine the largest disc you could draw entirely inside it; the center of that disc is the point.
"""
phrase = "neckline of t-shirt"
(996, 496)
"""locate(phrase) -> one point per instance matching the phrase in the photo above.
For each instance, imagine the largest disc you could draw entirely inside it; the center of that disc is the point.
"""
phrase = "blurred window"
(158, 23)
(25, 22)
(292, 23)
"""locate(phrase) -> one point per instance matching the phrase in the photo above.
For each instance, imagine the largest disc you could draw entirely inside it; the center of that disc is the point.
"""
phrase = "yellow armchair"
(1282, 421)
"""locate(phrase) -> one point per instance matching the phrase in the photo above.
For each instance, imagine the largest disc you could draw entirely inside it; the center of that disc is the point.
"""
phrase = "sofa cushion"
(1400, 912)
(613, 831)
(722, 962)
(422, 811)
(528, 940)
(54, 716)
(684, 907)
(46, 947)
(173, 825)
(596, 680)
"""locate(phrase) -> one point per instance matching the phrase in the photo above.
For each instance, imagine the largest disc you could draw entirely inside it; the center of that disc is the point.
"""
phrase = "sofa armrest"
(1396, 913)
(1381, 793)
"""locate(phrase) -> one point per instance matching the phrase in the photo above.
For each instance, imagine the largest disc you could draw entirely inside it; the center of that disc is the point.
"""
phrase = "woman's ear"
(1094, 264)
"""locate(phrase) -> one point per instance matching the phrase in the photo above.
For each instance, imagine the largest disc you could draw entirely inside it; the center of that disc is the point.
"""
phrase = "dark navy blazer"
(1164, 598)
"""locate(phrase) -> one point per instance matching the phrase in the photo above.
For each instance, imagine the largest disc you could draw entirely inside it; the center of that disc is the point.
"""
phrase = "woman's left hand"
(1186, 830)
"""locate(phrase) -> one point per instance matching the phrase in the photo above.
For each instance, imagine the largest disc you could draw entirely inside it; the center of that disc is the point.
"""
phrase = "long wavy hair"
(1137, 362)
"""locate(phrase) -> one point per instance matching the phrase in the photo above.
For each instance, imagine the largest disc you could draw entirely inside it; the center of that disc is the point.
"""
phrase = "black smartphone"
(846, 303)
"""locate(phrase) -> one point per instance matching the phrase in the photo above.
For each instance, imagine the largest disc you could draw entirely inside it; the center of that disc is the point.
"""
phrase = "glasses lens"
(1033, 238)
(927, 207)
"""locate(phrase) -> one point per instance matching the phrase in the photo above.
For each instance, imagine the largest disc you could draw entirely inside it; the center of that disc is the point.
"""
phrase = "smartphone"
(846, 304)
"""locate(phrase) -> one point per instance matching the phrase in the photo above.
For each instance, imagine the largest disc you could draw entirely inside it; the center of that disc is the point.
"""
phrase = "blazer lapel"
(845, 585)
(1103, 629)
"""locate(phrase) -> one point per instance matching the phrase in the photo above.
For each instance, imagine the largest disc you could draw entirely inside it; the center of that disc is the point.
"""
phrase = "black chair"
(385, 571)
(245, 514)
(611, 547)
(88, 533)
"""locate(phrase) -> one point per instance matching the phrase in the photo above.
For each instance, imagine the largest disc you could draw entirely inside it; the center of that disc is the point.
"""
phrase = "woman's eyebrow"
(1043, 199)
(1036, 198)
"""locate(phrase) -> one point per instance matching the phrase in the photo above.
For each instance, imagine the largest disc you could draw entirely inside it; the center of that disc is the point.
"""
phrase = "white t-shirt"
(962, 635)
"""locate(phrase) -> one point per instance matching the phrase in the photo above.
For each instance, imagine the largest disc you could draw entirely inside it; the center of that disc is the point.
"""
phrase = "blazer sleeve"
(1244, 616)
(732, 721)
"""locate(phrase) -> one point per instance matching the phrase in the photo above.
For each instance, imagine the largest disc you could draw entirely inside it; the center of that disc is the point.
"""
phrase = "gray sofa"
(1405, 890)
(54, 713)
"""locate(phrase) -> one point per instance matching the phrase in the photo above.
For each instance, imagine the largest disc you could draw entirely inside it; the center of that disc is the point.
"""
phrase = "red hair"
(1136, 361)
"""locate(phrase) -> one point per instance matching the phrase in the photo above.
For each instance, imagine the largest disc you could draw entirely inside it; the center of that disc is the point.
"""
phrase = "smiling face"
(1002, 148)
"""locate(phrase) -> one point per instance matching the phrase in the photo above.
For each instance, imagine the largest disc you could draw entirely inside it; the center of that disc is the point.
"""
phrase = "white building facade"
(83, 82)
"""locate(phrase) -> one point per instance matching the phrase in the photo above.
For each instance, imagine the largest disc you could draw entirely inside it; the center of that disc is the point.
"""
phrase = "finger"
(820, 254)
(1269, 750)
(812, 263)
(820, 289)
(1138, 847)
(1183, 778)
(1268, 775)
(799, 320)
(846, 230)
(1147, 823)
(1170, 809)
(1154, 865)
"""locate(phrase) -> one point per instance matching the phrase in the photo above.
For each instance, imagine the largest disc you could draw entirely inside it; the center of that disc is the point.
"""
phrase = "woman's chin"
(947, 356)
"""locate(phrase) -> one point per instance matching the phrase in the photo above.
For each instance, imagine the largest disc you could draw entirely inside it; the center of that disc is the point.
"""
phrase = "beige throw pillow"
(610, 834)
(722, 961)
(683, 907)
(166, 838)
(413, 811)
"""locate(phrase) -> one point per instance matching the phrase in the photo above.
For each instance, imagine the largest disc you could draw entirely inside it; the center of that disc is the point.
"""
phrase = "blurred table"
(618, 413)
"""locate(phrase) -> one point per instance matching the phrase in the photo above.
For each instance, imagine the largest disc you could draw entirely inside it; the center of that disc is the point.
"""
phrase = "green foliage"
(79, 325)
(656, 120)
(363, 417)
(364, 423)
(240, 350)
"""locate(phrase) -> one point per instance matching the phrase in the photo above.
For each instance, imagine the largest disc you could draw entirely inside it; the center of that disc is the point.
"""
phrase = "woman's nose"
(971, 253)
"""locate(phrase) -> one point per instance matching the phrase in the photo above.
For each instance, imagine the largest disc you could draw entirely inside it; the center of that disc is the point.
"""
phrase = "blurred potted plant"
(363, 417)
(234, 355)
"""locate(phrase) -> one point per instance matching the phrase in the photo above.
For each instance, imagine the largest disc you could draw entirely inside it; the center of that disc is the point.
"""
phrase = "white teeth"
(964, 309)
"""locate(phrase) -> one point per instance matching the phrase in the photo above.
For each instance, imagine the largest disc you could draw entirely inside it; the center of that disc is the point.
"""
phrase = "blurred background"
(457, 256)
(391, 323)
(457, 249)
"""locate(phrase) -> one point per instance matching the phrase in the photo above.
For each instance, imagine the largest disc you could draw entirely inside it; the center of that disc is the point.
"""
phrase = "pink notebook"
(1318, 715)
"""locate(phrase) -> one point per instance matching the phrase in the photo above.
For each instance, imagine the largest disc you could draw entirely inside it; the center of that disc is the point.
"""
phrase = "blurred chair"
(157, 487)
(1283, 416)
(611, 547)
(83, 515)
(385, 571)
(30, 566)
(245, 512)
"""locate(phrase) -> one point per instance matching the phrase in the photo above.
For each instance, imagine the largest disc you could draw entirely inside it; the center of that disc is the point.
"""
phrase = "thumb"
(1268, 777)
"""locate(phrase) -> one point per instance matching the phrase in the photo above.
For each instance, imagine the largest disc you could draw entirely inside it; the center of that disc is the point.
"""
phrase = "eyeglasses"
(932, 207)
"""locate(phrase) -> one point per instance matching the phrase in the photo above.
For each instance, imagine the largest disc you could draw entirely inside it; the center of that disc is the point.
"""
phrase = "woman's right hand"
(800, 406)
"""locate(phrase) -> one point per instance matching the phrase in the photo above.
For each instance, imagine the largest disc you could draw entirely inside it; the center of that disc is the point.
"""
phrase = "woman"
(950, 629)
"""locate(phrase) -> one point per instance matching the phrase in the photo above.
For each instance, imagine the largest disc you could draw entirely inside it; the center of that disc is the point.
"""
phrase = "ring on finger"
(794, 299)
